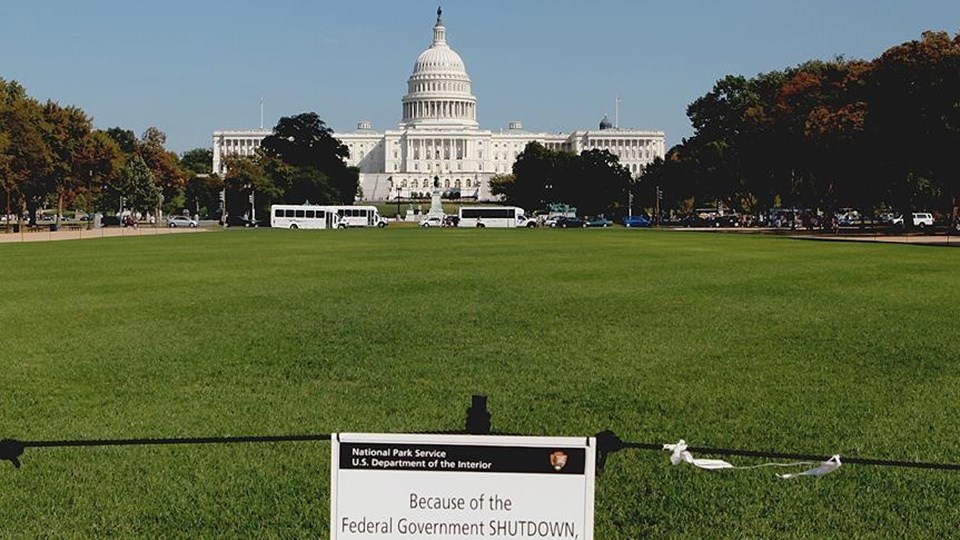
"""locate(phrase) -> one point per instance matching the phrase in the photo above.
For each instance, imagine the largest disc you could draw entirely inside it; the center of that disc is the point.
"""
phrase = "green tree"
(12, 96)
(125, 139)
(165, 166)
(245, 179)
(202, 189)
(65, 131)
(541, 176)
(603, 185)
(97, 163)
(138, 185)
(305, 142)
(503, 186)
(914, 118)
(197, 161)
(28, 160)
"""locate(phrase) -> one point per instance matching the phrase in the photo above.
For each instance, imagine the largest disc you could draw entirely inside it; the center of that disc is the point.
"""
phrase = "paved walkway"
(84, 234)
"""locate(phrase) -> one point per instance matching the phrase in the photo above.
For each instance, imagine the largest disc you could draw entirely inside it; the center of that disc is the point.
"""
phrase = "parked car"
(635, 221)
(239, 221)
(729, 220)
(524, 221)
(110, 221)
(551, 221)
(432, 222)
(570, 222)
(598, 221)
(693, 220)
(180, 221)
(922, 220)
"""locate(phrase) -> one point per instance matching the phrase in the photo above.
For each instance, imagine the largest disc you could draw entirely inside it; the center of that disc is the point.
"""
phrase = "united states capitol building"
(439, 137)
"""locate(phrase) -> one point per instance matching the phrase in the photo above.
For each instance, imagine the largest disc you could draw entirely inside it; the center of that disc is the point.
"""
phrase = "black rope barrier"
(477, 423)
(12, 449)
(608, 443)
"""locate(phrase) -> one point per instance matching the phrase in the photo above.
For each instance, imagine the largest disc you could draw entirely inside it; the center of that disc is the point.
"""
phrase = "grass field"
(724, 340)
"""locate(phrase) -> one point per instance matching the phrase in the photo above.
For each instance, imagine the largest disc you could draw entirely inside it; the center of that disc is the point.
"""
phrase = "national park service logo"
(558, 460)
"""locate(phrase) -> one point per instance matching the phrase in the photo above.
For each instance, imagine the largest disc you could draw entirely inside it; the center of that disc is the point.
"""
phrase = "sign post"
(446, 487)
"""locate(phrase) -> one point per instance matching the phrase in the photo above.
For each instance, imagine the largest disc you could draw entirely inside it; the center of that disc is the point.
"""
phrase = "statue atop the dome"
(439, 13)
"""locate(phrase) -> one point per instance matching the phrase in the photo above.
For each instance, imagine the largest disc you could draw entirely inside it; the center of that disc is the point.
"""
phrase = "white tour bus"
(494, 216)
(300, 216)
(358, 216)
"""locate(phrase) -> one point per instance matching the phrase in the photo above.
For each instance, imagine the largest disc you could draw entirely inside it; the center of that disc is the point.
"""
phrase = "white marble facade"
(439, 137)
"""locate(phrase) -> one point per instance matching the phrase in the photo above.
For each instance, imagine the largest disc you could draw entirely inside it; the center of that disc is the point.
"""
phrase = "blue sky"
(190, 68)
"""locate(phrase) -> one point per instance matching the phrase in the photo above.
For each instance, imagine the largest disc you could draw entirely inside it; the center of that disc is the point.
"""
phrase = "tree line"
(878, 134)
(594, 181)
(50, 156)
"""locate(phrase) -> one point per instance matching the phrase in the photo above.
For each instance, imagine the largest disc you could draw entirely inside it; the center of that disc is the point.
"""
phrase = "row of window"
(445, 154)
(291, 213)
(439, 87)
(489, 213)
(609, 143)
(429, 167)
(352, 212)
(241, 142)
(414, 183)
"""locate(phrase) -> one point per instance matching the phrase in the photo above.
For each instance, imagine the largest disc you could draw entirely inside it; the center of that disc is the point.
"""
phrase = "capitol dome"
(439, 93)
(439, 59)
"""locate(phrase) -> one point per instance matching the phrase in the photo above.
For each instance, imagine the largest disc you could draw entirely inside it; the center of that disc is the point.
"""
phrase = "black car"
(570, 222)
(110, 221)
(239, 221)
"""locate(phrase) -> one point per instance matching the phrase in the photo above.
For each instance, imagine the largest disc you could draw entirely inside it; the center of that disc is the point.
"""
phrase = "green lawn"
(725, 340)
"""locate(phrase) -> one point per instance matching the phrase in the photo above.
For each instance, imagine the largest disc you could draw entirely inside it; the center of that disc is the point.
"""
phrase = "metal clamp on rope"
(11, 450)
(607, 443)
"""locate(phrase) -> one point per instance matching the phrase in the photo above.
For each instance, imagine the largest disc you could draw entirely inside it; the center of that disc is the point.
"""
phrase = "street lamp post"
(89, 200)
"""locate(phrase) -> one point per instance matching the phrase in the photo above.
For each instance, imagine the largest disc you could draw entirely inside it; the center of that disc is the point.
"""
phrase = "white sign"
(446, 487)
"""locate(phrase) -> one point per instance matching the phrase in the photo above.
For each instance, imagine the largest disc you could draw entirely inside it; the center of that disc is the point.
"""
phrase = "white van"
(358, 216)
(494, 216)
(289, 216)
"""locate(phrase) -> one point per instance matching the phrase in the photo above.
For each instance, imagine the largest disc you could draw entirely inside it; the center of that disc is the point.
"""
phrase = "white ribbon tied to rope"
(680, 454)
(825, 467)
